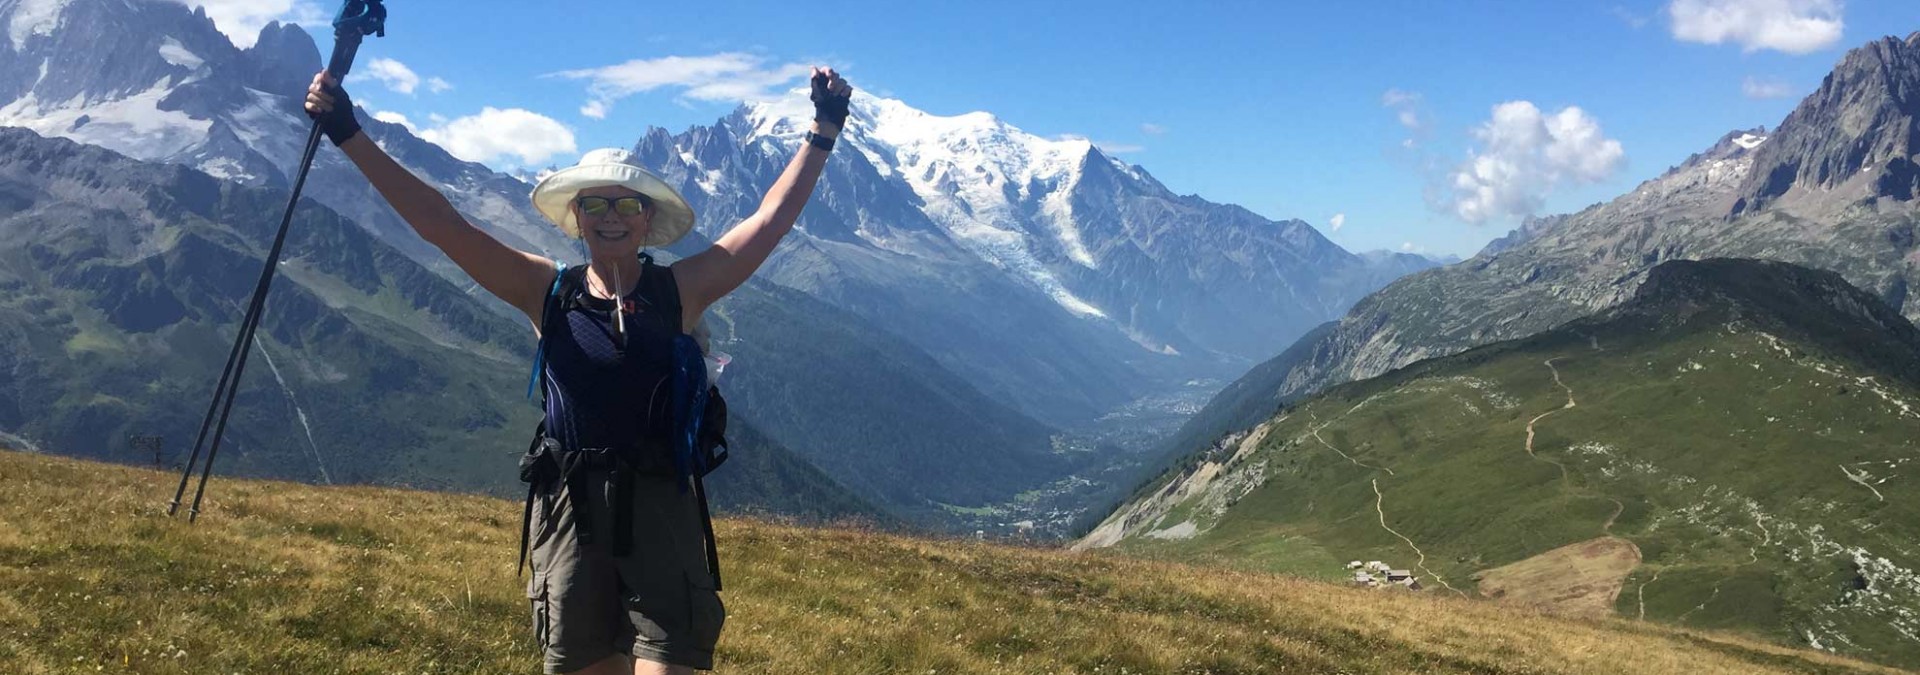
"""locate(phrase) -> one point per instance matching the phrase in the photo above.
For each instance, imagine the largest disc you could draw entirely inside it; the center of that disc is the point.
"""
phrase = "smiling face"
(611, 235)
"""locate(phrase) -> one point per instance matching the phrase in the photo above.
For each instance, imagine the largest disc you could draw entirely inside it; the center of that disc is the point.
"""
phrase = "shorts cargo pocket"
(706, 614)
(654, 607)
(542, 613)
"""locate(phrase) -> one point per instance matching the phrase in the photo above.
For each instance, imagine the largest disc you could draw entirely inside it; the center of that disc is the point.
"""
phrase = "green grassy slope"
(1749, 427)
(281, 577)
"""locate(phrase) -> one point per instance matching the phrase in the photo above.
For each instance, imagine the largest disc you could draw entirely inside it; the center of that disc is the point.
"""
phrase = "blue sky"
(1292, 110)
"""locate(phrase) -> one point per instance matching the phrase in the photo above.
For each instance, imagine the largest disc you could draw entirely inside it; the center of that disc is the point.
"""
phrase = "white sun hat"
(553, 197)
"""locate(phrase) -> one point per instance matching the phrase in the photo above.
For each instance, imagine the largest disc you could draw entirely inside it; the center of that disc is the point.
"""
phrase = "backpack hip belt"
(547, 465)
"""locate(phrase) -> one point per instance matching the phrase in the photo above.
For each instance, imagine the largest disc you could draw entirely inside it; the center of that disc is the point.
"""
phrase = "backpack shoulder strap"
(565, 284)
(660, 290)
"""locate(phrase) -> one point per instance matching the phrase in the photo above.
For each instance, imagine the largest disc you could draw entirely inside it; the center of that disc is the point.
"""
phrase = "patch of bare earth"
(1581, 579)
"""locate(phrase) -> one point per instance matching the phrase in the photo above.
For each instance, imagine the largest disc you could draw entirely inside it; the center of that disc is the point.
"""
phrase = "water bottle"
(717, 363)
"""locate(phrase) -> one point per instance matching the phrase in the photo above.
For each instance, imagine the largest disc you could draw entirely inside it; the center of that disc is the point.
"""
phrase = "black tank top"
(599, 393)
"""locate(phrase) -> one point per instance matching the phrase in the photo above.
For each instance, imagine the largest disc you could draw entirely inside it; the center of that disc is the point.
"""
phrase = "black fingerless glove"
(338, 124)
(828, 107)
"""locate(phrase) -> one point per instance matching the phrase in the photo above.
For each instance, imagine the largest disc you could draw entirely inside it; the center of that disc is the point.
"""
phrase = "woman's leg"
(617, 664)
(641, 667)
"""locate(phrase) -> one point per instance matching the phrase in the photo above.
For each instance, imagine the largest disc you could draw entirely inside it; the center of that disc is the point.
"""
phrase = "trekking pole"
(356, 20)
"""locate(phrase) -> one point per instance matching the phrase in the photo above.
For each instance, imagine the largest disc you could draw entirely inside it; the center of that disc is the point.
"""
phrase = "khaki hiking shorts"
(657, 603)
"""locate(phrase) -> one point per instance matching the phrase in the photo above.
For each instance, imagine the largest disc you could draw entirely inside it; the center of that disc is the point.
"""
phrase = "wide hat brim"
(553, 197)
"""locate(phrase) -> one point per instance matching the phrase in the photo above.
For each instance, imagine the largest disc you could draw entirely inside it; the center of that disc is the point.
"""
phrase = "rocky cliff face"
(1857, 135)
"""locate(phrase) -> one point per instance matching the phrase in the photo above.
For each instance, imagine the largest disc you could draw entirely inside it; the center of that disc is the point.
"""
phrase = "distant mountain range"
(998, 303)
(1731, 448)
(1832, 187)
(1047, 273)
(120, 282)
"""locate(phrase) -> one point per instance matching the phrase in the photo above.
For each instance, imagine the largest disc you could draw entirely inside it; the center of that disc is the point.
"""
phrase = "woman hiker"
(653, 607)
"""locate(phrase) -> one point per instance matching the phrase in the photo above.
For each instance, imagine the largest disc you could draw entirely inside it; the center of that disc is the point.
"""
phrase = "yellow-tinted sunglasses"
(626, 206)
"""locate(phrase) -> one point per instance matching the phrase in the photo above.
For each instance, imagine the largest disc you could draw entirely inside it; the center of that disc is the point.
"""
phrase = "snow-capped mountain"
(1047, 273)
(984, 243)
(157, 81)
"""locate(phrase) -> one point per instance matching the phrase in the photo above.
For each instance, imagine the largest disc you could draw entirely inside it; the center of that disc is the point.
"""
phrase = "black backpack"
(704, 410)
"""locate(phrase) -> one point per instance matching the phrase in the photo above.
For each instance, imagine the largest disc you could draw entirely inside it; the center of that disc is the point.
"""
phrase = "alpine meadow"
(992, 338)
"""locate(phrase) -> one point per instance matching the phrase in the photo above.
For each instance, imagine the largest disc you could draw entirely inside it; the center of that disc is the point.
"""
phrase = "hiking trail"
(1316, 436)
(1642, 592)
(1570, 404)
(1860, 478)
(1422, 564)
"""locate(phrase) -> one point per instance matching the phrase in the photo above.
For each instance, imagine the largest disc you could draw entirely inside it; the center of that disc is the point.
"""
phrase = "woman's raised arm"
(518, 277)
(706, 277)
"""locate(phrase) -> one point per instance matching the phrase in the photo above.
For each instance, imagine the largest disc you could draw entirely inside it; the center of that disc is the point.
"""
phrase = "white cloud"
(242, 20)
(437, 118)
(1526, 154)
(594, 108)
(1791, 26)
(1409, 247)
(1766, 88)
(725, 77)
(398, 77)
(396, 118)
(496, 134)
(1409, 109)
(1151, 128)
(1634, 20)
(1338, 221)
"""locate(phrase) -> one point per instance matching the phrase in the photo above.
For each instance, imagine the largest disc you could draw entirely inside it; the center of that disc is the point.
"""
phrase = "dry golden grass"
(281, 577)
(1579, 579)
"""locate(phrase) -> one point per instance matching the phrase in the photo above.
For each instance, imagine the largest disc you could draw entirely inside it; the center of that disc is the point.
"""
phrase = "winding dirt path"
(1316, 436)
(1703, 603)
(1544, 415)
(1378, 507)
(1641, 594)
(1766, 537)
(1861, 478)
(1618, 508)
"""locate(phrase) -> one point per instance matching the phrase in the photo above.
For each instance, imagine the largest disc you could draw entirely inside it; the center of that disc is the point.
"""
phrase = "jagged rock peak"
(283, 60)
(1732, 144)
(1859, 129)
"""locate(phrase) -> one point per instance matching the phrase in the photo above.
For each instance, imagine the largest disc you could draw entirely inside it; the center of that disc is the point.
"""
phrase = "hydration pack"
(697, 442)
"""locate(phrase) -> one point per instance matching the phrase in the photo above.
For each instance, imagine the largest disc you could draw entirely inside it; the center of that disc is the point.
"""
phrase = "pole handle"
(357, 19)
